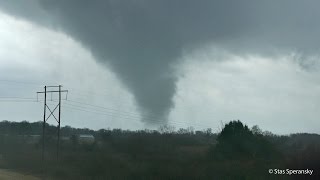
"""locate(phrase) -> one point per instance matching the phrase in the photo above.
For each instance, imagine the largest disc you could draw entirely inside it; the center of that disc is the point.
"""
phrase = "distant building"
(65, 138)
(31, 139)
(86, 139)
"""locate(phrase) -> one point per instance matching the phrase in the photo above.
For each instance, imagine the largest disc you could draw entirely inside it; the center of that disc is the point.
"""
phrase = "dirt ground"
(6, 174)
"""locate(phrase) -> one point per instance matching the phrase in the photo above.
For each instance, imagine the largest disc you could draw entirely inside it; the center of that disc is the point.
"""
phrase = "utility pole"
(59, 118)
(45, 118)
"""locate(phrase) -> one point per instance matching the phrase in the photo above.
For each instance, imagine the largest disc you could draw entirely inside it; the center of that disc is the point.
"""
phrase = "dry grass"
(6, 174)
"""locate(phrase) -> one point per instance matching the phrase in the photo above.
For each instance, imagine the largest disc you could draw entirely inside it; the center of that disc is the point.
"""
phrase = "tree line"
(237, 152)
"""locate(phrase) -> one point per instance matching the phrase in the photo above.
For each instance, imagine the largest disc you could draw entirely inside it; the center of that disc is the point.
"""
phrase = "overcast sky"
(138, 64)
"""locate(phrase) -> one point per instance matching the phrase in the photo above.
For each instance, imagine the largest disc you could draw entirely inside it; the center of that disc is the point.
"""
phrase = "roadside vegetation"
(237, 152)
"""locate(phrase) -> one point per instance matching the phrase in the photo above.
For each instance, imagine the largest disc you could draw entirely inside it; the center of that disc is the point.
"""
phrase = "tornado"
(142, 41)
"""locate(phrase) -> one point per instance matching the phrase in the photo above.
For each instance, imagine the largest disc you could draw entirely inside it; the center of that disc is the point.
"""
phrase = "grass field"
(6, 174)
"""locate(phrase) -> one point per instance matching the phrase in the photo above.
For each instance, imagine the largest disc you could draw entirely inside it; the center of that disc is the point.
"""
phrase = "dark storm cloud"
(142, 39)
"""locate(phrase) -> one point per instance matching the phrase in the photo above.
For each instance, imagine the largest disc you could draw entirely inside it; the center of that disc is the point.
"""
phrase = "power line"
(91, 93)
(104, 114)
(128, 115)
(17, 101)
(112, 114)
(106, 111)
(154, 117)
(19, 82)
(16, 98)
(122, 117)
(180, 108)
